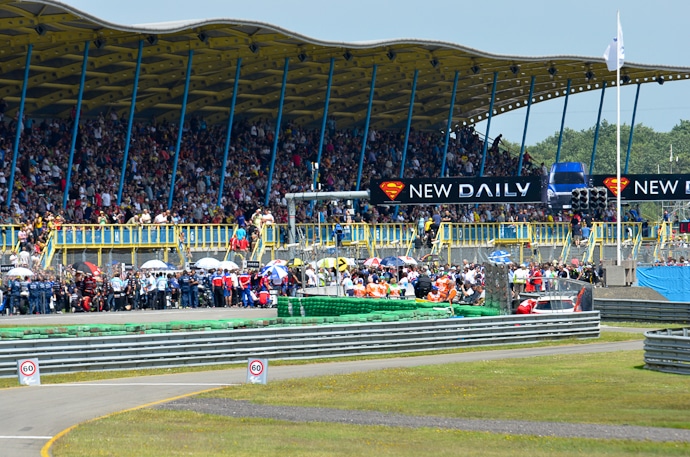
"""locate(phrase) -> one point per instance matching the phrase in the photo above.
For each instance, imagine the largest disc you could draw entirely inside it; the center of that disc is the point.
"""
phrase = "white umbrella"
(155, 265)
(207, 263)
(228, 265)
(372, 262)
(19, 271)
(407, 259)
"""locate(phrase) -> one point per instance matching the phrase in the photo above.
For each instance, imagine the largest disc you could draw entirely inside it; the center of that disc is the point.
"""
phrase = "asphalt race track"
(34, 415)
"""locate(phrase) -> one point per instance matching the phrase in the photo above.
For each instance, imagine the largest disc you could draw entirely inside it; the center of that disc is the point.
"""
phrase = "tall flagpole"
(618, 139)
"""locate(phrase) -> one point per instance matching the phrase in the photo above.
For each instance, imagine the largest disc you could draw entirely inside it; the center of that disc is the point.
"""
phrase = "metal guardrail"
(66, 355)
(642, 310)
(668, 351)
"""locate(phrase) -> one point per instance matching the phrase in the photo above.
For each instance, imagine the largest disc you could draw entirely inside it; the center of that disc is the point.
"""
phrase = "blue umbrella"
(499, 257)
(392, 262)
(275, 272)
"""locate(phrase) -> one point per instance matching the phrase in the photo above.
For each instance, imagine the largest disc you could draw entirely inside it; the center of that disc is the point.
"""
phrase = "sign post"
(28, 373)
(257, 370)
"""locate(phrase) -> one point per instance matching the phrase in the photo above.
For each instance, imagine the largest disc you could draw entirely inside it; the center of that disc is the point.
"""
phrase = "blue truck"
(563, 178)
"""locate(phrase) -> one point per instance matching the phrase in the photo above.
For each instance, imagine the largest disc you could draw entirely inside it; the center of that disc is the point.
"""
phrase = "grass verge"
(150, 433)
(605, 388)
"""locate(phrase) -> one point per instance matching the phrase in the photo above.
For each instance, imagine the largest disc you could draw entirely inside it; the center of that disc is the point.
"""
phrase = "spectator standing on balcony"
(267, 218)
(162, 218)
(256, 218)
(436, 218)
(102, 219)
(145, 217)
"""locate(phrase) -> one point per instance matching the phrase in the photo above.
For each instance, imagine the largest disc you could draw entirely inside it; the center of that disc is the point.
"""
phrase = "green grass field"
(607, 388)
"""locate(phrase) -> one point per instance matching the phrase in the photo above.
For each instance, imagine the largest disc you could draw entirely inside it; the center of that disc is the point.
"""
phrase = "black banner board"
(6, 268)
(646, 187)
(435, 191)
(253, 264)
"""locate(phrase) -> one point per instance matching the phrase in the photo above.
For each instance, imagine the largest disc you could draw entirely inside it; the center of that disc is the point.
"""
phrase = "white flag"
(615, 53)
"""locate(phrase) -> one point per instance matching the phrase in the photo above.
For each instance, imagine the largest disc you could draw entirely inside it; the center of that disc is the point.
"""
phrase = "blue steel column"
(20, 125)
(366, 128)
(632, 129)
(323, 123)
(407, 130)
(596, 131)
(75, 128)
(488, 123)
(450, 124)
(132, 107)
(180, 127)
(231, 119)
(409, 123)
(524, 132)
(277, 134)
(560, 136)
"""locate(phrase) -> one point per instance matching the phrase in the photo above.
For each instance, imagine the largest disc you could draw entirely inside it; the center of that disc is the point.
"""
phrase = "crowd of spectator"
(248, 288)
(43, 157)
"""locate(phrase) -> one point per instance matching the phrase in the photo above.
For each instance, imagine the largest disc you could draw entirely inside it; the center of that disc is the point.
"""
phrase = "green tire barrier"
(291, 312)
(351, 306)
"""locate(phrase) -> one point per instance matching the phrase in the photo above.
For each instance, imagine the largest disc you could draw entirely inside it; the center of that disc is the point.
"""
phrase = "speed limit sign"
(28, 373)
(256, 371)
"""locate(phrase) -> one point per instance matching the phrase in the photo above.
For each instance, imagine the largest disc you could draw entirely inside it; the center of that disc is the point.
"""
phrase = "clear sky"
(654, 33)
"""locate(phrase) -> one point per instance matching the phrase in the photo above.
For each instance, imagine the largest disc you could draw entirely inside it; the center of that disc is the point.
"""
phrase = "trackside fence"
(668, 351)
(642, 310)
(67, 355)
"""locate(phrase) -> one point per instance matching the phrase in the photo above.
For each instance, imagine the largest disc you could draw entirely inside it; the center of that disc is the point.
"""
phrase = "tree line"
(650, 152)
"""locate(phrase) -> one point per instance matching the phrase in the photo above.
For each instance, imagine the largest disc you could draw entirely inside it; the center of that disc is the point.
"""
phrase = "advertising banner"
(646, 187)
(436, 191)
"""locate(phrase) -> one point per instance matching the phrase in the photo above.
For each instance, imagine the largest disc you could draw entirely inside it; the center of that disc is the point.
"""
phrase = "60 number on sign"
(256, 371)
(28, 373)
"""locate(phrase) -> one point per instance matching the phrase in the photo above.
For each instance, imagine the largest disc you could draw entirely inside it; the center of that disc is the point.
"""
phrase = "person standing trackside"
(46, 289)
(151, 291)
(245, 280)
(117, 286)
(185, 290)
(34, 297)
(133, 290)
(161, 289)
(218, 286)
(519, 280)
(194, 286)
(15, 296)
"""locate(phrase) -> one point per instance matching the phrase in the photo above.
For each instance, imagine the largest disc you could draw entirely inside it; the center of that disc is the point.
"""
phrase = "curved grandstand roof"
(58, 34)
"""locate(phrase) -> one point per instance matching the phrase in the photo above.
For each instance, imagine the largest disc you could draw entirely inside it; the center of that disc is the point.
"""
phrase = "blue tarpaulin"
(670, 281)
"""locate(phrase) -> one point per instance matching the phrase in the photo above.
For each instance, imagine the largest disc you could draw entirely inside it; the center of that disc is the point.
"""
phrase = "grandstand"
(117, 123)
